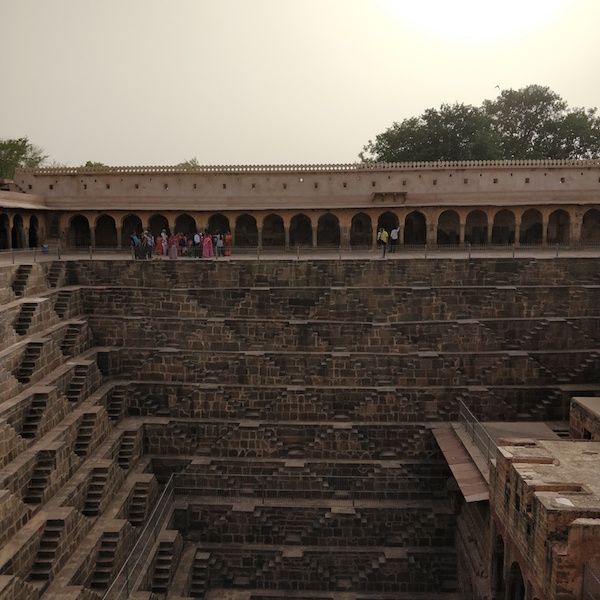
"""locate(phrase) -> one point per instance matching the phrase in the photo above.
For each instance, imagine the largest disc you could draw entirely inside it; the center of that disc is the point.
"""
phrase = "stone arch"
(106, 232)
(328, 230)
(186, 224)
(218, 222)
(388, 220)
(497, 570)
(415, 228)
(273, 231)
(4, 232)
(300, 231)
(79, 234)
(448, 228)
(246, 231)
(361, 230)
(131, 224)
(156, 223)
(531, 228)
(34, 234)
(515, 584)
(590, 227)
(476, 228)
(559, 224)
(18, 232)
(503, 229)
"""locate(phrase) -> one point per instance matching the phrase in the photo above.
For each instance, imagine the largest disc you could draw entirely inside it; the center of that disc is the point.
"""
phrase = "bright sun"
(475, 20)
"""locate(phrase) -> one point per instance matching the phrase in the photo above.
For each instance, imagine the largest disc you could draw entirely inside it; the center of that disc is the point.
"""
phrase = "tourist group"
(198, 245)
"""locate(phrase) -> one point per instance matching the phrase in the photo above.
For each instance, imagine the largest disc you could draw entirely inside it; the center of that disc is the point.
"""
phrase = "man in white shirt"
(394, 234)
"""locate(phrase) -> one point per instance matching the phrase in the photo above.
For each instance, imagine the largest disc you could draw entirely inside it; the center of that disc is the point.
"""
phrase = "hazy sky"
(155, 82)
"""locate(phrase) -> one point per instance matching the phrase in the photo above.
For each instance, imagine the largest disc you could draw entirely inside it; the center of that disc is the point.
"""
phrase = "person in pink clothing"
(207, 245)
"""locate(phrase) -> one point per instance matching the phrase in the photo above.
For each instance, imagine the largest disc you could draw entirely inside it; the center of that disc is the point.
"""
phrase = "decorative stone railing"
(351, 167)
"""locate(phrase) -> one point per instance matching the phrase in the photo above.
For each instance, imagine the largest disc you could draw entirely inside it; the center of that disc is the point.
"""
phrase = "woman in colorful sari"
(172, 247)
(227, 243)
(207, 245)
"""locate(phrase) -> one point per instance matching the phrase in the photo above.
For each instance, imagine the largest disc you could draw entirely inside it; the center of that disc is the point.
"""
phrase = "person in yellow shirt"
(383, 238)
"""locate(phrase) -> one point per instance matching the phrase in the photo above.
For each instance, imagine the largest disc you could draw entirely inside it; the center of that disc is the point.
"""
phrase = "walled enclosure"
(477, 203)
(295, 405)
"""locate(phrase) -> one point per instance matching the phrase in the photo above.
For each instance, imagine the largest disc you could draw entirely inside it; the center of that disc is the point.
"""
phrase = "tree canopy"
(189, 164)
(531, 123)
(94, 164)
(18, 154)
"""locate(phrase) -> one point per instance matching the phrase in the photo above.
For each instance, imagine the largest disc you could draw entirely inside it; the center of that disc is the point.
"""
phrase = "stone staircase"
(77, 384)
(45, 464)
(25, 317)
(116, 404)
(105, 560)
(49, 545)
(20, 281)
(55, 272)
(126, 449)
(84, 434)
(29, 362)
(34, 415)
(163, 566)
(301, 414)
(67, 346)
(95, 491)
(200, 575)
(139, 503)
(61, 304)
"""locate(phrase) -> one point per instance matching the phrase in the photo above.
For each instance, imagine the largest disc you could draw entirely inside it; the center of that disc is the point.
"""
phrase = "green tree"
(19, 154)
(535, 122)
(454, 132)
(531, 123)
(94, 165)
(189, 164)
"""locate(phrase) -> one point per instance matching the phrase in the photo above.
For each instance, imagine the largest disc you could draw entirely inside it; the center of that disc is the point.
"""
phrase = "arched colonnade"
(431, 227)
(21, 230)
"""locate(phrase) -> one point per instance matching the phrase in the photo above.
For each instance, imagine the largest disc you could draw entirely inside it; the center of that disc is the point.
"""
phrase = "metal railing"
(591, 584)
(134, 563)
(334, 490)
(476, 432)
(404, 251)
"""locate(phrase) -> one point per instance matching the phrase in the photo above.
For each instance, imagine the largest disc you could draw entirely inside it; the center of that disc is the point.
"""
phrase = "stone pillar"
(490, 229)
(259, 238)
(314, 235)
(9, 232)
(345, 237)
(287, 236)
(119, 229)
(517, 234)
(461, 235)
(544, 231)
(401, 235)
(575, 224)
(63, 231)
(93, 237)
(431, 239)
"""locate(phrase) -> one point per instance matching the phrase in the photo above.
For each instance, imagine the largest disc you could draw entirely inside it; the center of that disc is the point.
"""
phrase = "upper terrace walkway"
(32, 255)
